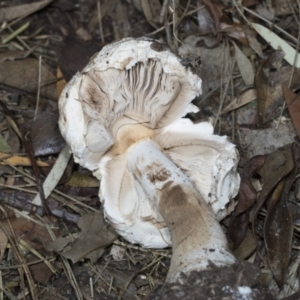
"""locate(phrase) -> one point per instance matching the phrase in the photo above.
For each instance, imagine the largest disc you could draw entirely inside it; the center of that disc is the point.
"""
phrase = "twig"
(29, 150)
(223, 95)
(175, 20)
(92, 287)
(15, 33)
(18, 253)
(1, 287)
(39, 88)
(100, 22)
(13, 201)
(163, 11)
(50, 259)
(67, 269)
(170, 23)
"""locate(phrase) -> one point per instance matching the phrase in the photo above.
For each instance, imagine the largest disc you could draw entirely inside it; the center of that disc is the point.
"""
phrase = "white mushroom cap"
(135, 90)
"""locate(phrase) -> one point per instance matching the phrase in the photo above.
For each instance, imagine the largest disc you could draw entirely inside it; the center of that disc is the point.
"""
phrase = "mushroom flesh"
(164, 180)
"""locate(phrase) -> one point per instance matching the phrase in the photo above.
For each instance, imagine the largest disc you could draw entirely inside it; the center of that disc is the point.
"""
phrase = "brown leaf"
(246, 199)
(205, 20)
(23, 74)
(278, 230)
(269, 78)
(14, 12)
(151, 10)
(215, 7)
(247, 246)
(253, 42)
(32, 233)
(83, 180)
(45, 136)
(235, 31)
(61, 83)
(293, 104)
(243, 99)
(40, 271)
(212, 61)
(3, 243)
(249, 3)
(19, 160)
(283, 7)
(95, 233)
(278, 164)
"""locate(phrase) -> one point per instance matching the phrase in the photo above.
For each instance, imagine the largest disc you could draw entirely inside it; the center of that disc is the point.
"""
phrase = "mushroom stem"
(197, 238)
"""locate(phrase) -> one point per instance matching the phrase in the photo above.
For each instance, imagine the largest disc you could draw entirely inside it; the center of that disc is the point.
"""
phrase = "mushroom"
(164, 180)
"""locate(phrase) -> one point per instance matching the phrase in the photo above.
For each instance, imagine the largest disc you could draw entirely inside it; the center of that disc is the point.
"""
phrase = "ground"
(250, 92)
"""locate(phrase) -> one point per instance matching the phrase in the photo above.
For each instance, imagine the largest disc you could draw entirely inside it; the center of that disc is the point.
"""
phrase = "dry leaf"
(18, 11)
(278, 227)
(61, 83)
(205, 20)
(235, 31)
(264, 141)
(3, 243)
(45, 135)
(277, 165)
(245, 66)
(82, 180)
(245, 98)
(23, 74)
(95, 233)
(32, 233)
(246, 199)
(19, 160)
(151, 10)
(40, 271)
(283, 7)
(212, 71)
(279, 44)
(253, 42)
(278, 230)
(293, 104)
(55, 174)
(269, 78)
(247, 246)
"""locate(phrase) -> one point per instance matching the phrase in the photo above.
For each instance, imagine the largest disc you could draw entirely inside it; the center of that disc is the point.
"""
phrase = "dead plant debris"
(247, 54)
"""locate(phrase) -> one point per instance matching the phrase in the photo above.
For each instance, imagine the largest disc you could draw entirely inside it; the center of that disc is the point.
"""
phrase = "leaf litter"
(246, 53)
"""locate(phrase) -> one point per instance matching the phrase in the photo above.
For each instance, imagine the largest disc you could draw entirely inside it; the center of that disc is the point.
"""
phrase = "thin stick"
(55, 190)
(240, 12)
(100, 22)
(39, 87)
(19, 256)
(67, 268)
(175, 20)
(163, 11)
(15, 33)
(1, 287)
(92, 287)
(170, 23)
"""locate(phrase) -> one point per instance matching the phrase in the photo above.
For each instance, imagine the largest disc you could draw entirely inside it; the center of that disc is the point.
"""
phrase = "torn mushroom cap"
(135, 90)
